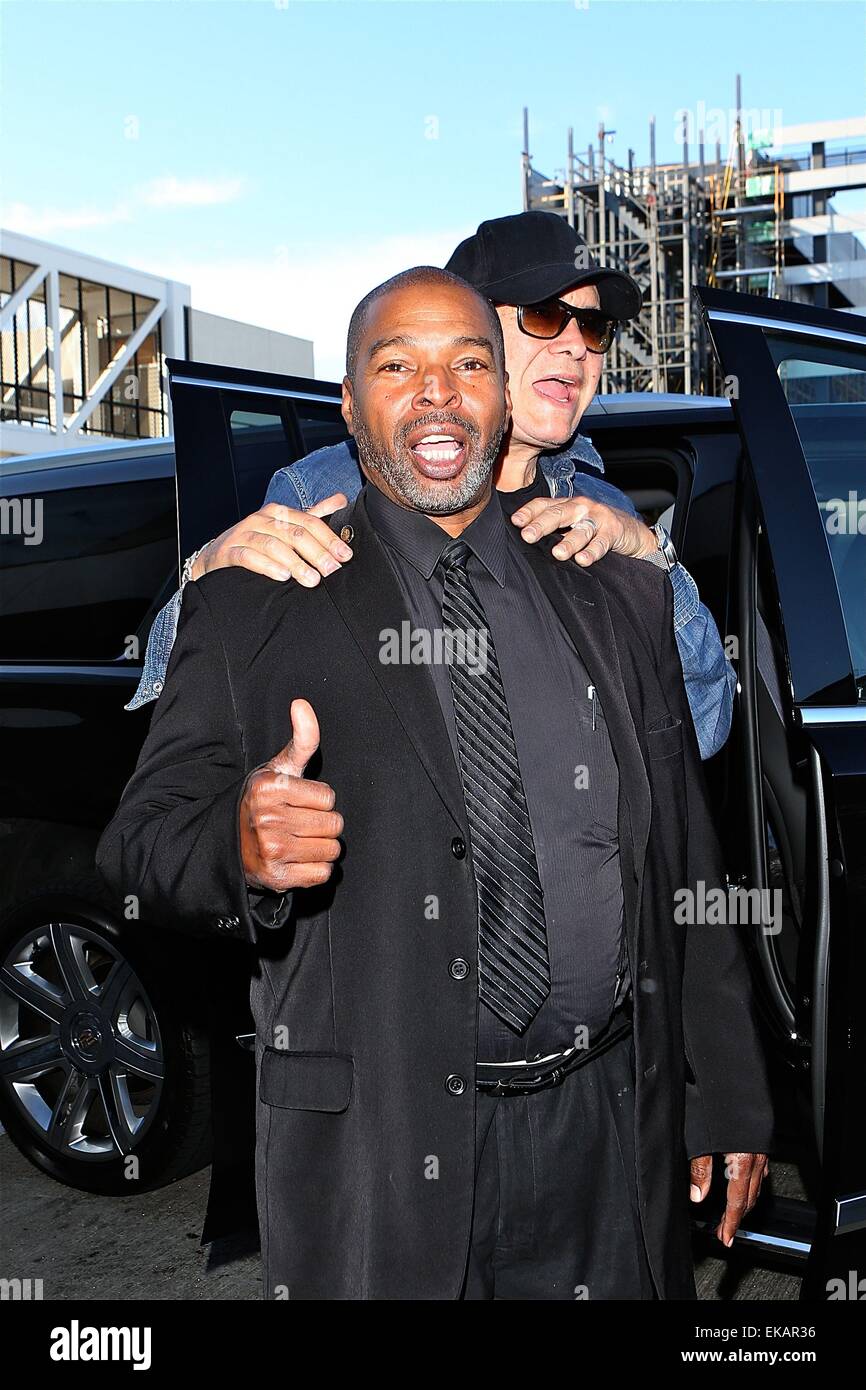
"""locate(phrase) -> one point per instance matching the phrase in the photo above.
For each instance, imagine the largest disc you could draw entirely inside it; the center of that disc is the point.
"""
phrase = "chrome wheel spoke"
(70, 1109)
(72, 964)
(115, 1100)
(28, 988)
(135, 1055)
(111, 994)
(21, 1061)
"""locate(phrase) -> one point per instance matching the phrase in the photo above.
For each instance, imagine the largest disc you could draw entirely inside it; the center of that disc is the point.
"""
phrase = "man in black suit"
(486, 1044)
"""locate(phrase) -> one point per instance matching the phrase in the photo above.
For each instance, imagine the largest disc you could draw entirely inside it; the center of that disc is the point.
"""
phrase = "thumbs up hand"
(288, 825)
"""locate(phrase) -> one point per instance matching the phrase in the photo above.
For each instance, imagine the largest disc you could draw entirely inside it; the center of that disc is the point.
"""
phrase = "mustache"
(435, 421)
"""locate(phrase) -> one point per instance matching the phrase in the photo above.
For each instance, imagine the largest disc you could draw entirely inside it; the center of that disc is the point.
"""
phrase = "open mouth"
(561, 390)
(439, 453)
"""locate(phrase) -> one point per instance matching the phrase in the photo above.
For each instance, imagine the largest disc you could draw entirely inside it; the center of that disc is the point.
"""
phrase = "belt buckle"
(548, 1080)
(616, 1029)
(505, 1087)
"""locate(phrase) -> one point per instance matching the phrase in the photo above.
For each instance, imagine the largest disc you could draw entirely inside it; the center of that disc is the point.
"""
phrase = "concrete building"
(83, 344)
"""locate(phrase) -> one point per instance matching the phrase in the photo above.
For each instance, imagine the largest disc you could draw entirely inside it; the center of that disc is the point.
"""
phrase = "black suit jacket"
(359, 1021)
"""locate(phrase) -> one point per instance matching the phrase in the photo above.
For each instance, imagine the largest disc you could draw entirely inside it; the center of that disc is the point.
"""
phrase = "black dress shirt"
(567, 765)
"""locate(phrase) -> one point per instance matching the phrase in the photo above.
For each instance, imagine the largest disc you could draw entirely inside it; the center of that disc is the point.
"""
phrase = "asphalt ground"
(147, 1246)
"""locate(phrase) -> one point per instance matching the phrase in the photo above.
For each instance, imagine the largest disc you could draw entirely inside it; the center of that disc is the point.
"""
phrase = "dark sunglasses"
(550, 318)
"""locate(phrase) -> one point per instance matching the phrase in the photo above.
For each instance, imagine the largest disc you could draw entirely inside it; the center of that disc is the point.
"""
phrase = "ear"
(346, 404)
(508, 406)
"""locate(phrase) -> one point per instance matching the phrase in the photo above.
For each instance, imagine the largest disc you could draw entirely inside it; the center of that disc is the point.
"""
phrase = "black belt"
(530, 1081)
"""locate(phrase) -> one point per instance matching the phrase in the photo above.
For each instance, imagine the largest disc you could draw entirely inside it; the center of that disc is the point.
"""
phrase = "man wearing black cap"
(559, 312)
(531, 257)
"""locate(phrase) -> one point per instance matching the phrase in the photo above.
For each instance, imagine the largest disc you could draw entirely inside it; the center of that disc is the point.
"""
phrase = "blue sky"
(282, 156)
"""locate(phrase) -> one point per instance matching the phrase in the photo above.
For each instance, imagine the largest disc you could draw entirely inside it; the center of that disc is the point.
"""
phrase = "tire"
(104, 1064)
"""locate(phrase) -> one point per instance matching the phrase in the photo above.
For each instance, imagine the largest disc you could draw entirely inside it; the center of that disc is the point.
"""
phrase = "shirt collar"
(420, 541)
(560, 463)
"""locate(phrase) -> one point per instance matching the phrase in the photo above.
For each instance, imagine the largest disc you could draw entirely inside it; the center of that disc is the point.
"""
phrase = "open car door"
(796, 377)
(233, 430)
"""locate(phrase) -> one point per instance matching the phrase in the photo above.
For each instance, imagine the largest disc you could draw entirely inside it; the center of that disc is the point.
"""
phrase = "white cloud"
(308, 295)
(172, 192)
(41, 222)
(168, 192)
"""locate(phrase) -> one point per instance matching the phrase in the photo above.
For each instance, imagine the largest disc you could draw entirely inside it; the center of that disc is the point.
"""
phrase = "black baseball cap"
(532, 256)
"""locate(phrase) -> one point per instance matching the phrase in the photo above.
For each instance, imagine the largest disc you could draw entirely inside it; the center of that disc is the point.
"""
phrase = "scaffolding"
(756, 217)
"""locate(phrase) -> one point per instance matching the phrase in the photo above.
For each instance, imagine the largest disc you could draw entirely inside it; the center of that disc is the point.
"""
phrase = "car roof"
(115, 451)
(657, 402)
(609, 407)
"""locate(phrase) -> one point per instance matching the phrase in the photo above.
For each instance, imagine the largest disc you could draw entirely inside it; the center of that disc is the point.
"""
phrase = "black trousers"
(556, 1206)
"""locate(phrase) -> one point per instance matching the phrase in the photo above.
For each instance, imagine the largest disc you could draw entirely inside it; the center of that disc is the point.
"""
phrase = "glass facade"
(25, 386)
(95, 324)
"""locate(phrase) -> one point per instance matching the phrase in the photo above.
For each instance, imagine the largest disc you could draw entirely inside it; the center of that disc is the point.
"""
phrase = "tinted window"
(652, 483)
(320, 424)
(261, 445)
(826, 389)
(82, 567)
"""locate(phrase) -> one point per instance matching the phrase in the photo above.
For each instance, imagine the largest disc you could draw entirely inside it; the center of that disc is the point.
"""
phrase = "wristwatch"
(666, 556)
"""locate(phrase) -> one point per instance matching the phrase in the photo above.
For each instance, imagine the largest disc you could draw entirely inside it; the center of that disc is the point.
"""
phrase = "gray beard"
(396, 470)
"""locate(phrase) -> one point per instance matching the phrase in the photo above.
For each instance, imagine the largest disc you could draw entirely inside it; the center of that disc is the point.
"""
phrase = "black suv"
(119, 1043)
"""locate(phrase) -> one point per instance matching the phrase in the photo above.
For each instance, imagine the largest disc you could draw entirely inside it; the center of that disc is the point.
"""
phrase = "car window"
(320, 424)
(82, 566)
(826, 390)
(655, 481)
(261, 445)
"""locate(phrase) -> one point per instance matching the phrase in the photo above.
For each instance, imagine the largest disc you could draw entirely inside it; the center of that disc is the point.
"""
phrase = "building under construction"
(755, 216)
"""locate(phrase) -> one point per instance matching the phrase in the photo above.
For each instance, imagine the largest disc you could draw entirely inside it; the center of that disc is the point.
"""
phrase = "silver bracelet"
(186, 572)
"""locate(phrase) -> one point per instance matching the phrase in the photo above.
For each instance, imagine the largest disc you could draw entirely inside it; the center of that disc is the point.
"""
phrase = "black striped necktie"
(513, 963)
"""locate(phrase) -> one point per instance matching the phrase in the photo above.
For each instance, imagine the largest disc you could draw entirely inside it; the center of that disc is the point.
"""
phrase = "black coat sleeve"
(728, 1104)
(174, 841)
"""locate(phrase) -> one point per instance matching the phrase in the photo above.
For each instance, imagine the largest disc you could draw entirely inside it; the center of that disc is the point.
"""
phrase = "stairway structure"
(756, 217)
